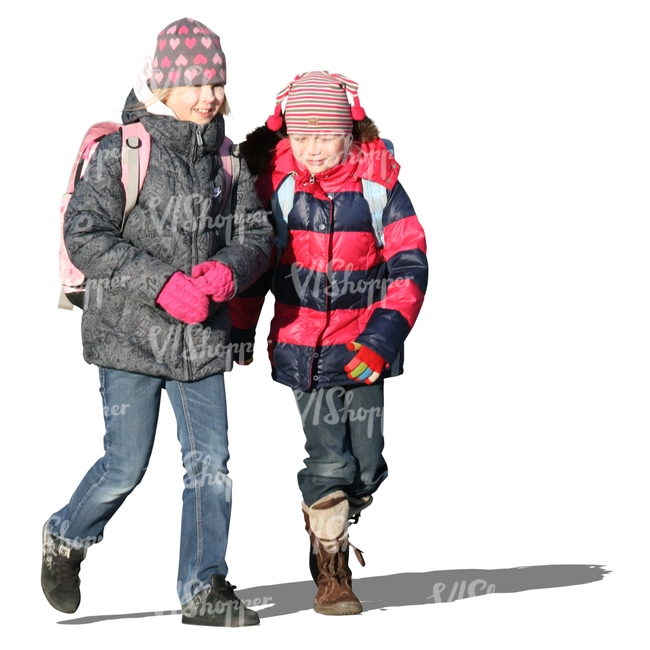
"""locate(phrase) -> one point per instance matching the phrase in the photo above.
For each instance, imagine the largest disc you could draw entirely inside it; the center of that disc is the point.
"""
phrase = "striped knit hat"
(187, 54)
(317, 102)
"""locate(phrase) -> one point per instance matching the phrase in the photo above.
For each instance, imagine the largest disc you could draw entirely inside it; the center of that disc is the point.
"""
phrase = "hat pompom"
(274, 122)
(358, 112)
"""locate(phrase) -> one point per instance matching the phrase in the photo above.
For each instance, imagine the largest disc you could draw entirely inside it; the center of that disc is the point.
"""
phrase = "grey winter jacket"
(176, 224)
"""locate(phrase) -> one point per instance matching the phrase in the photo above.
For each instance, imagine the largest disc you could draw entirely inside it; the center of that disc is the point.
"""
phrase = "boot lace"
(226, 594)
(67, 571)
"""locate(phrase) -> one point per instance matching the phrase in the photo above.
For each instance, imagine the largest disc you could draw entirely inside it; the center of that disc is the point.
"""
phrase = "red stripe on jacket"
(404, 296)
(351, 251)
(404, 235)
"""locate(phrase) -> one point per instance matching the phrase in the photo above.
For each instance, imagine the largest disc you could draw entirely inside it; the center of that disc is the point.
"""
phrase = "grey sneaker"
(218, 605)
(60, 573)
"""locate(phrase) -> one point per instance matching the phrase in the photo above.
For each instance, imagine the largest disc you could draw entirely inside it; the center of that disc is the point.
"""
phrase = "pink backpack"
(136, 147)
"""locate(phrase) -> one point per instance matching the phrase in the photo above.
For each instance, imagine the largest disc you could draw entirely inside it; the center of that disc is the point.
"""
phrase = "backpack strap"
(136, 150)
(377, 197)
(281, 204)
(229, 156)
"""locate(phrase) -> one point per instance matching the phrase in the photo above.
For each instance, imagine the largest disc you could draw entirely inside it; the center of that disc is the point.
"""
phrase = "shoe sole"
(339, 609)
(57, 606)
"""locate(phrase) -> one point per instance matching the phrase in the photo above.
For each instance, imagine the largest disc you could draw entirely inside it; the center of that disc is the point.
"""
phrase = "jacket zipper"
(197, 143)
(327, 284)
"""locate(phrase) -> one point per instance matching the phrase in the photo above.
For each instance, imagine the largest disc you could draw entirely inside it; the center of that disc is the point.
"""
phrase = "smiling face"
(198, 104)
(319, 152)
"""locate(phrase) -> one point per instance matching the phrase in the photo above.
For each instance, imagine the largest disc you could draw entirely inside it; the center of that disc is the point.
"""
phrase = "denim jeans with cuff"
(343, 426)
(131, 405)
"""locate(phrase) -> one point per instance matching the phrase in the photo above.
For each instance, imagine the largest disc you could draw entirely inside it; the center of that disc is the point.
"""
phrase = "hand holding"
(215, 280)
(183, 300)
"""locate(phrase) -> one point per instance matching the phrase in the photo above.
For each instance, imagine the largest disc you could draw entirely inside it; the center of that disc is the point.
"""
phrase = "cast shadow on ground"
(402, 589)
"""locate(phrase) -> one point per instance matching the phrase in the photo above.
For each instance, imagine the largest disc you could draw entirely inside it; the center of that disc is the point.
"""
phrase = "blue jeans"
(343, 426)
(131, 404)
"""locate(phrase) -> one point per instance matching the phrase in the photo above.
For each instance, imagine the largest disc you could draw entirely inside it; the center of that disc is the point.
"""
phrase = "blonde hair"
(163, 94)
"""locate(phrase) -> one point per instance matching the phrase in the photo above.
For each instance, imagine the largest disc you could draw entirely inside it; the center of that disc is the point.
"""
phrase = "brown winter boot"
(327, 523)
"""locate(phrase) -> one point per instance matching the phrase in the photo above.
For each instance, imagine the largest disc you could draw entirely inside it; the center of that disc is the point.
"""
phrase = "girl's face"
(198, 104)
(319, 151)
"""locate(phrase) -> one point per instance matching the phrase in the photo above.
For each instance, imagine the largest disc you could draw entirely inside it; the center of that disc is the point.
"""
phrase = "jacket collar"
(188, 140)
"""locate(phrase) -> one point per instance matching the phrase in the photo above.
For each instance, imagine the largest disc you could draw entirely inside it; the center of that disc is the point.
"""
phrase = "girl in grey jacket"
(154, 318)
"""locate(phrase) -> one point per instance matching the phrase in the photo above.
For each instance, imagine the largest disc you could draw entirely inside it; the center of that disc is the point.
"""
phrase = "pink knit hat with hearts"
(187, 54)
(317, 102)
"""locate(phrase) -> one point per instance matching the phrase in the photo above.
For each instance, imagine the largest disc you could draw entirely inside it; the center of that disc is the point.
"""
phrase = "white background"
(516, 436)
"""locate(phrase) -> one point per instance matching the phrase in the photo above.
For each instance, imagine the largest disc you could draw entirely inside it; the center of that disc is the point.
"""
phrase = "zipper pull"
(312, 179)
(199, 137)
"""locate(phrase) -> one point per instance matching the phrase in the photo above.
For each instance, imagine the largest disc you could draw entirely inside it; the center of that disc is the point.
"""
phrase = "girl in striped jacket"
(349, 281)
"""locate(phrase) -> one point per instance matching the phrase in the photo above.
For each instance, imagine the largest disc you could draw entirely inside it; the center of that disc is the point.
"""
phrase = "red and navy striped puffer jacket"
(333, 284)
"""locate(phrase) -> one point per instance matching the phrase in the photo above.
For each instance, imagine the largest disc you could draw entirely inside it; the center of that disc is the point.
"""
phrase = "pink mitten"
(182, 299)
(215, 280)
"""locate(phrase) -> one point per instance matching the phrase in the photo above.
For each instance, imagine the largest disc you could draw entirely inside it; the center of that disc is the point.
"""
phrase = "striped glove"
(366, 365)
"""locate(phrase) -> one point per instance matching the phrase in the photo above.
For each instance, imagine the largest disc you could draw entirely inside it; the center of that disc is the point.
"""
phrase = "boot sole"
(339, 609)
